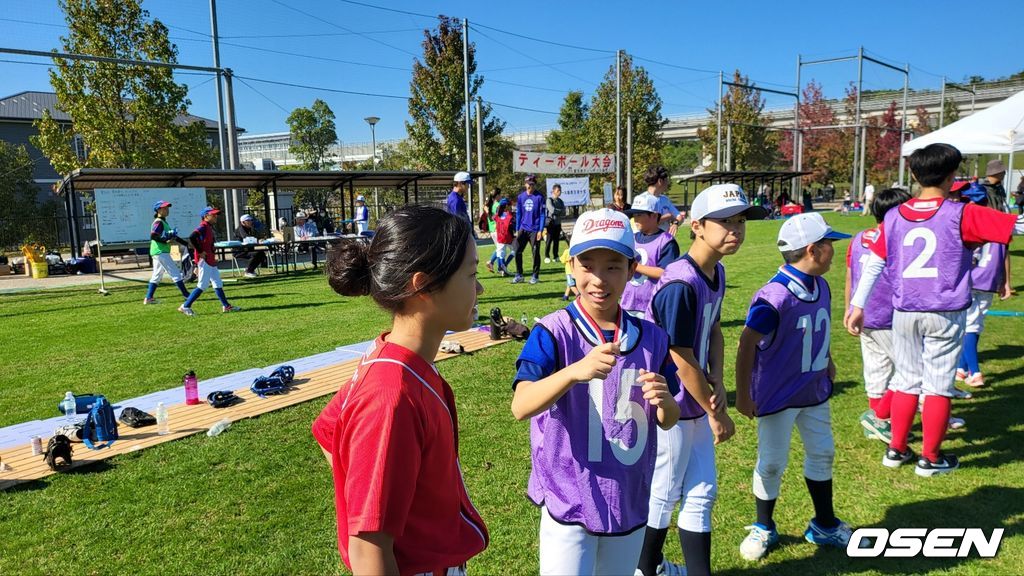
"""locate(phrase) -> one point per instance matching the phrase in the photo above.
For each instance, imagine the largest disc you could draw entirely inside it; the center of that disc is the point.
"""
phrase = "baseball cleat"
(944, 465)
(758, 541)
(875, 427)
(894, 458)
(838, 536)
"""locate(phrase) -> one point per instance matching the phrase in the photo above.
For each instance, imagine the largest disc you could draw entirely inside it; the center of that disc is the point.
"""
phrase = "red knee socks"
(903, 409)
(881, 406)
(934, 423)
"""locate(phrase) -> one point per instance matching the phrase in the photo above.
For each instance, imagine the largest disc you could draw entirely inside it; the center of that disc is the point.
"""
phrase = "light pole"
(372, 121)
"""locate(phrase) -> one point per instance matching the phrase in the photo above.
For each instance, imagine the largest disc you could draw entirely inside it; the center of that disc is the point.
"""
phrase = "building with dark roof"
(19, 111)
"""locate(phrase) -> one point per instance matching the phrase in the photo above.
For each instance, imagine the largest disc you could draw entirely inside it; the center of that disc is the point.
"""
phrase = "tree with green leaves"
(681, 157)
(571, 135)
(753, 147)
(312, 132)
(126, 116)
(437, 129)
(641, 101)
(950, 111)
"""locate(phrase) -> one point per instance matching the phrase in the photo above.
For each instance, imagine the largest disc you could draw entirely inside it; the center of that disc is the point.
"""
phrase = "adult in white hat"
(362, 215)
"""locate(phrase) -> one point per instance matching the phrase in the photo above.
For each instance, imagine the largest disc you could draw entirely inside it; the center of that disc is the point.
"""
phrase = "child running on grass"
(784, 375)
(160, 236)
(595, 383)
(391, 434)
(202, 240)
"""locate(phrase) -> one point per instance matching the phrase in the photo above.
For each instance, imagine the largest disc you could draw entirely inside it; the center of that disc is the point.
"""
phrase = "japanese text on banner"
(545, 163)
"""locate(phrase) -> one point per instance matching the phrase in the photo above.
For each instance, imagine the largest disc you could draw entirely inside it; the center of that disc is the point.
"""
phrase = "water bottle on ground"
(524, 320)
(69, 407)
(191, 388)
(163, 426)
(219, 427)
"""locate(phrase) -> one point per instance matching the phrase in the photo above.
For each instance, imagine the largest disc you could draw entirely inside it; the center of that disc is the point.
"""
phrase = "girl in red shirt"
(391, 433)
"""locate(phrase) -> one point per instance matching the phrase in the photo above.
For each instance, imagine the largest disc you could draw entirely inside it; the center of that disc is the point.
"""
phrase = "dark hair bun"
(348, 268)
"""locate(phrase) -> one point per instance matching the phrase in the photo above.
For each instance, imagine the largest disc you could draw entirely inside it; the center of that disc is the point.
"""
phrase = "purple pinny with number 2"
(927, 261)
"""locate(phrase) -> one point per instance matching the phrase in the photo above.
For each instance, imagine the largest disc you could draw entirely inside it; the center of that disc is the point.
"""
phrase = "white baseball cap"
(463, 177)
(724, 201)
(360, 198)
(245, 217)
(804, 229)
(643, 203)
(604, 228)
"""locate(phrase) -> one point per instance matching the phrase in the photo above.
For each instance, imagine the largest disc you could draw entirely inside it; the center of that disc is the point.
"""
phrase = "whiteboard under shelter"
(126, 214)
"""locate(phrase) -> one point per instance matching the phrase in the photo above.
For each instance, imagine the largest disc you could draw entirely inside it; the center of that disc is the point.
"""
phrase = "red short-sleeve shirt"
(392, 432)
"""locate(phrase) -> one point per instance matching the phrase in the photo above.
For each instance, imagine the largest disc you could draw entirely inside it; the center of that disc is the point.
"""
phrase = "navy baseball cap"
(161, 204)
(208, 210)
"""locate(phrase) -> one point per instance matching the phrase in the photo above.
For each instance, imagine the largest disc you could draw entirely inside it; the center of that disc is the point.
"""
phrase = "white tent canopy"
(995, 130)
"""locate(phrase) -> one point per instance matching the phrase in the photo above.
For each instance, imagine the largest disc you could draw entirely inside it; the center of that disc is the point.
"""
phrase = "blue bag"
(100, 427)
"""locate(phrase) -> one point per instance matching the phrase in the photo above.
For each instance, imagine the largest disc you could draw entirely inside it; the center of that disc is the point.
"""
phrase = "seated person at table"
(304, 230)
(250, 228)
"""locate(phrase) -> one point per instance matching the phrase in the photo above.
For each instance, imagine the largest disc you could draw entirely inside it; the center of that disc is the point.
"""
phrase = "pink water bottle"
(191, 388)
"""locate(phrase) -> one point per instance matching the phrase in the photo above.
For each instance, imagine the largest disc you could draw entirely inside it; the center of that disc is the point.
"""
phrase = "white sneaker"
(975, 380)
(251, 275)
(961, 374)
(956, 423)
(757, 542)
(666, 568)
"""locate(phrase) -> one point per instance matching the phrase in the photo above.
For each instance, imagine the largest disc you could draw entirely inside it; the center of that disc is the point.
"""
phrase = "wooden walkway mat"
(22, 466)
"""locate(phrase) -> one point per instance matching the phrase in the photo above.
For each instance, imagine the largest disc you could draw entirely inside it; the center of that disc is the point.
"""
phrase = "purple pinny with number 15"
(593, 451)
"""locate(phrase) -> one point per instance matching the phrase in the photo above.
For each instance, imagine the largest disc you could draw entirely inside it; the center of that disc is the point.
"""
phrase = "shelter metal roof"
(93, 178)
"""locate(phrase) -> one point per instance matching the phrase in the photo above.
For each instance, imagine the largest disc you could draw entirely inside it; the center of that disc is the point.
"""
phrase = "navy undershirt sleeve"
(669, 254)
(675, 310)
(671, 374)
(762, 317)
(539, 358)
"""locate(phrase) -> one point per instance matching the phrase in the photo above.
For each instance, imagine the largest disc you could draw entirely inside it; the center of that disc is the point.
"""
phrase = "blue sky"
(340, 44)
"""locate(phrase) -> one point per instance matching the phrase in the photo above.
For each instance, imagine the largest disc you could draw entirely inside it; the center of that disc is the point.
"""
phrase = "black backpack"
(100, 425)
(58, 453)
(135, 418)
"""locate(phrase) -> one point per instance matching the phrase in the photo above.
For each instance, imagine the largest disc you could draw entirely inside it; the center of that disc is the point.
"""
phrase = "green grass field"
(258, 499)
